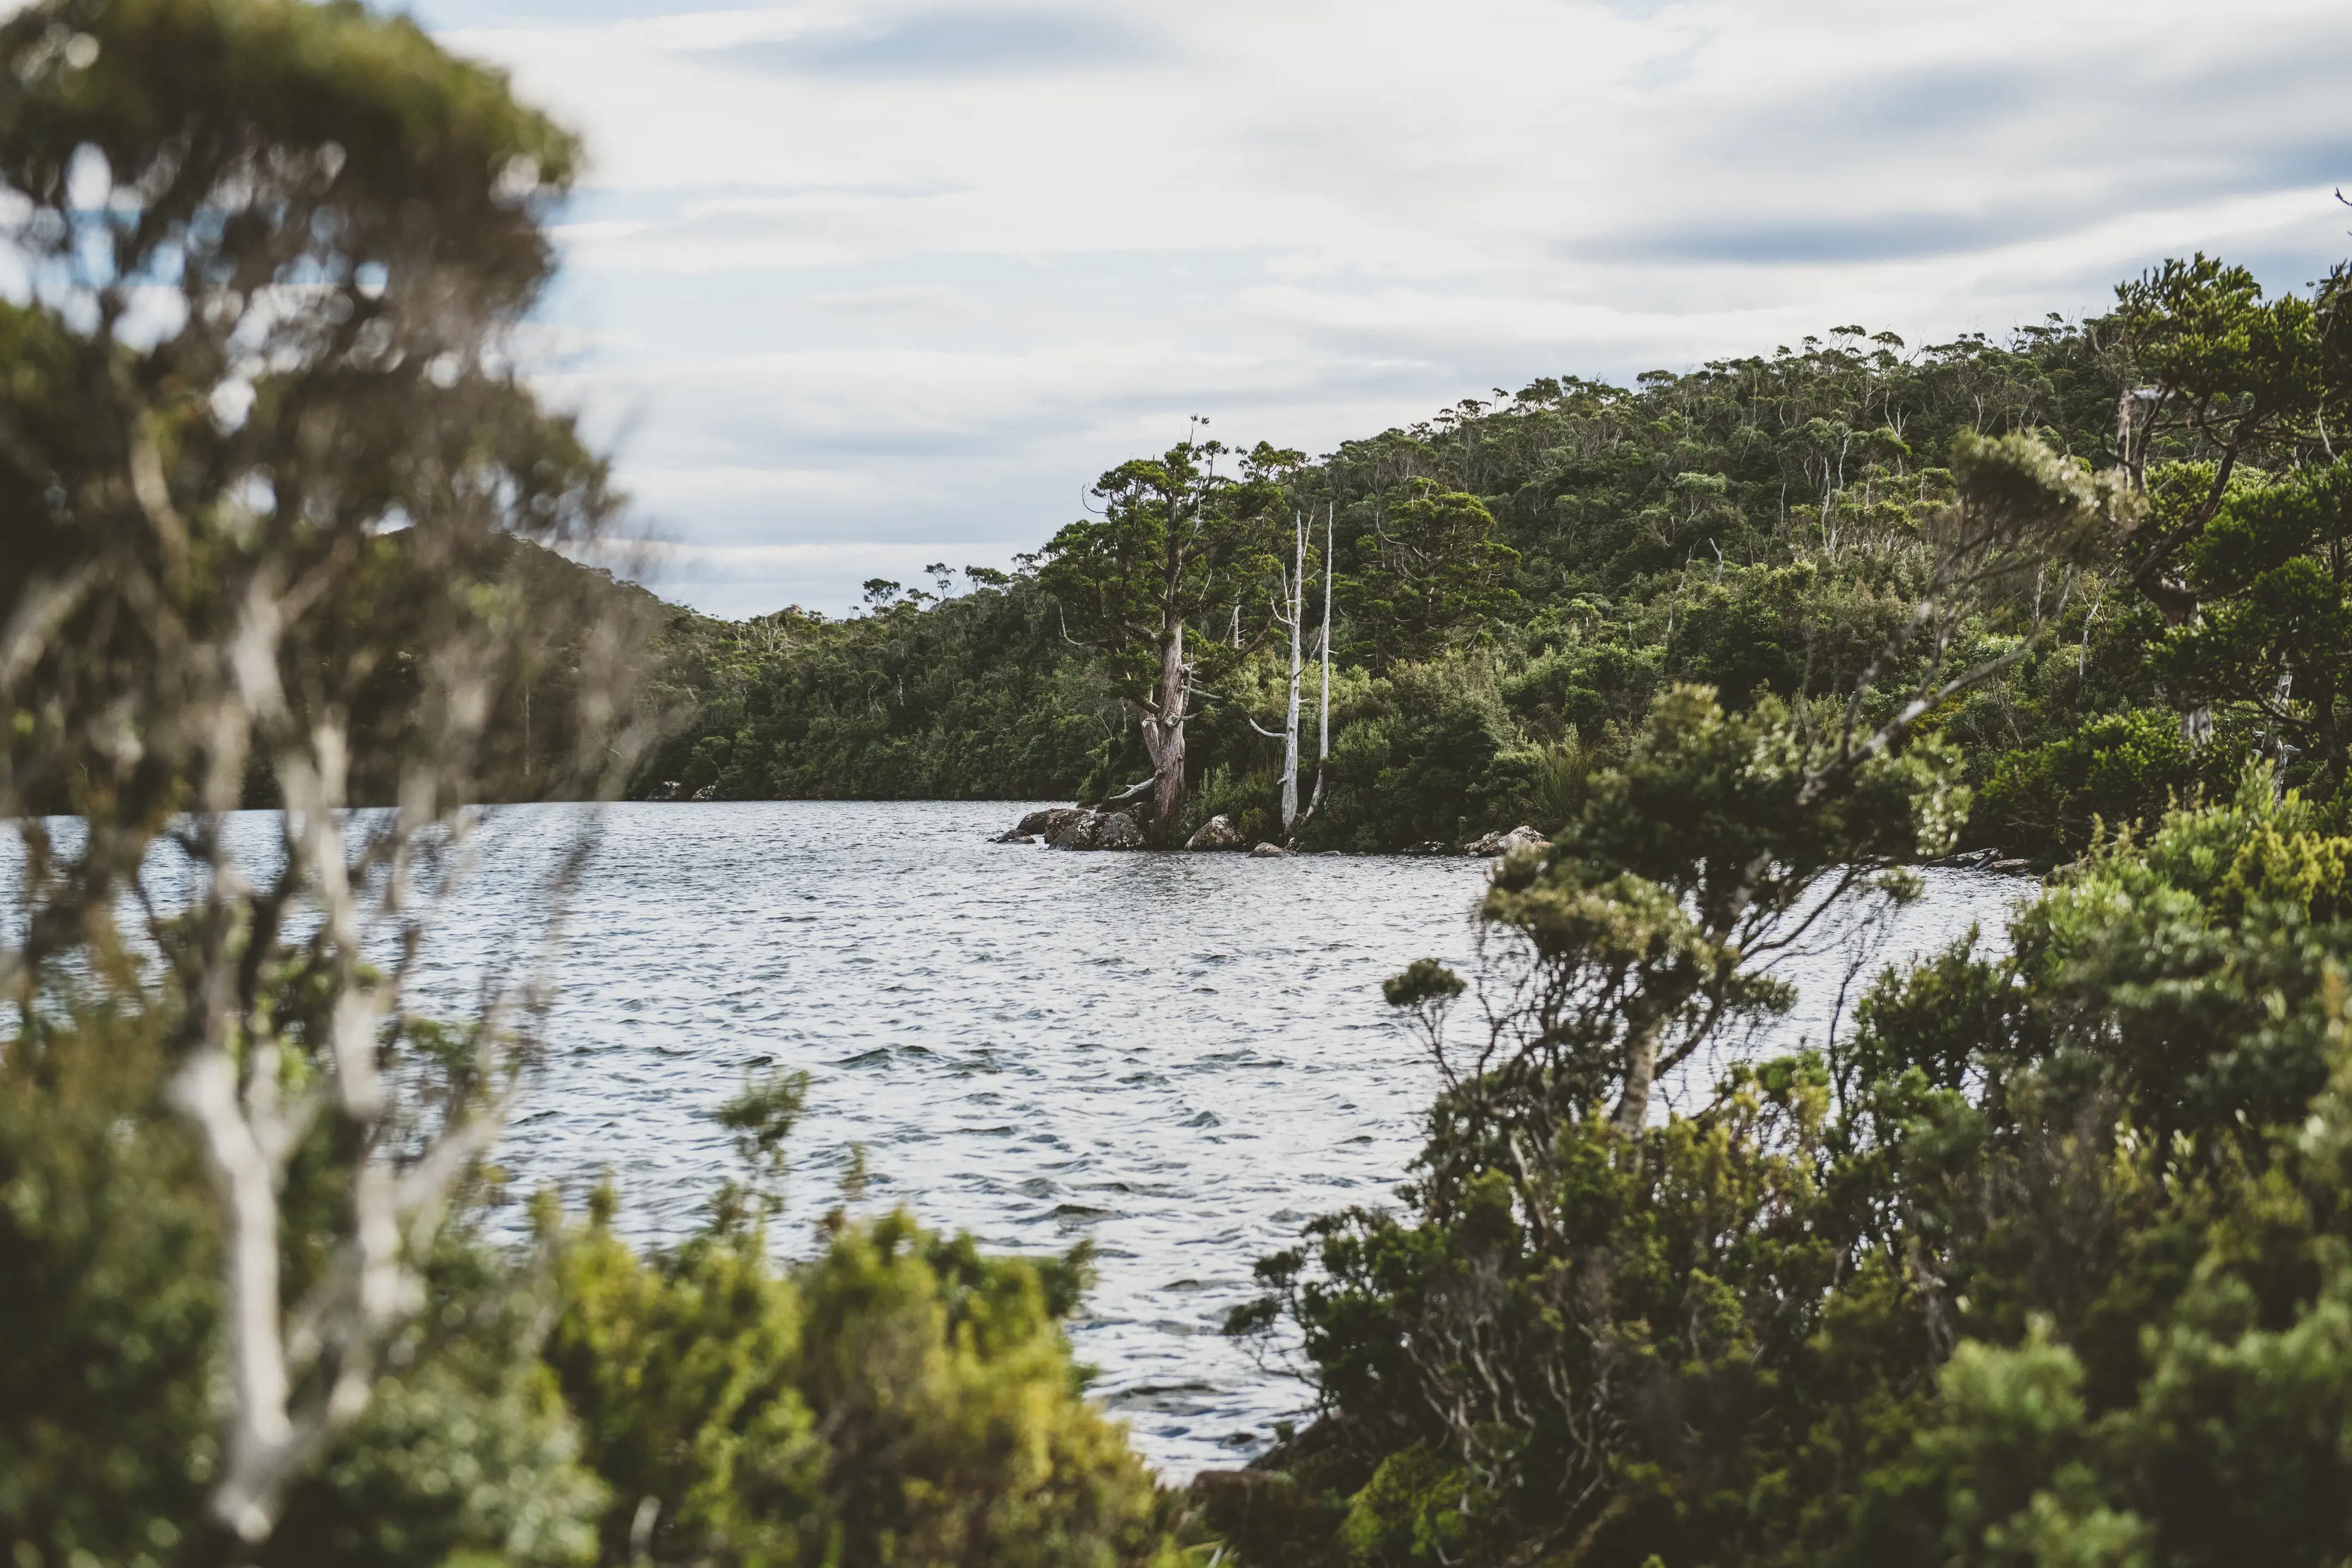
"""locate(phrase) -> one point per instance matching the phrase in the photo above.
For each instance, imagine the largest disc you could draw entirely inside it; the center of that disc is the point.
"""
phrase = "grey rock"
(1429, 847)
(1269, 851)
(708, 793)
(1094, 831)
(1217, 833)
(1045, 823)
(1014, 836)
(1519, 837)
(1117, 830)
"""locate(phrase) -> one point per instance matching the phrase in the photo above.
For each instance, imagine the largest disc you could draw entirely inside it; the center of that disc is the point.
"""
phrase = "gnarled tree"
(1178, 548)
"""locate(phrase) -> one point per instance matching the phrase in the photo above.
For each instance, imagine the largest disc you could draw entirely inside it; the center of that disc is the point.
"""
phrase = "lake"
(1179, 1057)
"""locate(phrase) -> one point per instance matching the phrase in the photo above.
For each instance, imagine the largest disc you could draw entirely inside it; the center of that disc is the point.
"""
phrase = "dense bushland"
(2042, 1263)
(1515, 580)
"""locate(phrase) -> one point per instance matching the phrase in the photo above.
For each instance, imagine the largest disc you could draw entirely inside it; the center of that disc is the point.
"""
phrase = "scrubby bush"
(901, 1399)
(2046, 1261)
(2117, 770)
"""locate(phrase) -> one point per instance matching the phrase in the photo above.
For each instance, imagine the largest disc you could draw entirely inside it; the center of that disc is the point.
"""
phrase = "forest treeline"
(1516, 578)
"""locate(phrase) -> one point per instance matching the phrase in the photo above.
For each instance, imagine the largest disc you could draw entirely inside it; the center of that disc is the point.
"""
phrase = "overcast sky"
(857, 287)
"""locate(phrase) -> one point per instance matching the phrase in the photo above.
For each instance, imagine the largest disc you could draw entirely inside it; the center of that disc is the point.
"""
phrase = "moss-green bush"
(2119, 770)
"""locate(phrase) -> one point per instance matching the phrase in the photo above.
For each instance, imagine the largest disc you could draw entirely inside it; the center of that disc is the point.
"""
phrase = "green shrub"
(2118, 770)
(2050, 1261)
(901, 1399)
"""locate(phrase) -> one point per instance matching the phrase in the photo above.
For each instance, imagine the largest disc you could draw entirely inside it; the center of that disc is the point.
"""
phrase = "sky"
(850, 288)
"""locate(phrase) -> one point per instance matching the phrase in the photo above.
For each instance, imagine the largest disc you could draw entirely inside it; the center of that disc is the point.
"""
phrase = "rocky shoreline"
(1086, 828)
(1081, 828)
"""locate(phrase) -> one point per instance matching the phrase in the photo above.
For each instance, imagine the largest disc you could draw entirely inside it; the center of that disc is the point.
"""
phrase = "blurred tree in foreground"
(269, 494)
(262, 458)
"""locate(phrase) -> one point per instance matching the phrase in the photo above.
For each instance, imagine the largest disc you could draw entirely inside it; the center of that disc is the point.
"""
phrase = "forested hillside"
(1515, 578)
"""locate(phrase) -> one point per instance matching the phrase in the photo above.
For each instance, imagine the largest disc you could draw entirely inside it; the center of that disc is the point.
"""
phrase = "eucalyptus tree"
(1646, 932)
(2223, 375)
(1178, 548)
(2272, 574)
(262, 456)
(1429, 570)
(1323, 685)
(2244, 545)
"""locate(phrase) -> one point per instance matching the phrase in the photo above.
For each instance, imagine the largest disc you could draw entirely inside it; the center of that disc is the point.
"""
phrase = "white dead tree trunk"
(1323, 692)
(1296, 595)
(1323, 699)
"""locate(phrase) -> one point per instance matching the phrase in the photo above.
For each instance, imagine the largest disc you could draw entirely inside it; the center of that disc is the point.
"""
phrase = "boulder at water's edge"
(1217, 833)
(1519, 837)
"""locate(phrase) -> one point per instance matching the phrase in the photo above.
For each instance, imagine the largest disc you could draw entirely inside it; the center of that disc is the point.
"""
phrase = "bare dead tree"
(1289, 612)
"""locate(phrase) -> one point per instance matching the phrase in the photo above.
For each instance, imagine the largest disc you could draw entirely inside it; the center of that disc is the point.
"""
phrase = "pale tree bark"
(1297, 613)
(1642, 1025)
(1163, 729)
(1323, 693)
(207, 608)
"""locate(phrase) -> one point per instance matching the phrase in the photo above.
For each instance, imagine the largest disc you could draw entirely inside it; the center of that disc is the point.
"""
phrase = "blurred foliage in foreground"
(897, 1399)
(278, 526)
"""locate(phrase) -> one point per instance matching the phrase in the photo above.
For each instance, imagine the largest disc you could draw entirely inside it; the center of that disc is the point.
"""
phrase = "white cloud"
(873, 279)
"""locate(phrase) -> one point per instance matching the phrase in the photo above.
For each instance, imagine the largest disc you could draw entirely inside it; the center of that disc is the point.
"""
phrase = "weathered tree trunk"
(1163, 733)
(1290, 727)
(1323, 699)
(1641, 1027)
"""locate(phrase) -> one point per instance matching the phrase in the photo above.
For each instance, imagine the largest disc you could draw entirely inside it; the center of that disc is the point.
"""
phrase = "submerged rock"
(1217, 833)
(1081, 830)
(1428, 847)
(1269, 851)
(1014, 836)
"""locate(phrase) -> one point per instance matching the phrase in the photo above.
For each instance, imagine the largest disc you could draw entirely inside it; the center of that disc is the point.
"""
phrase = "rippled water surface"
(1180, 1057)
